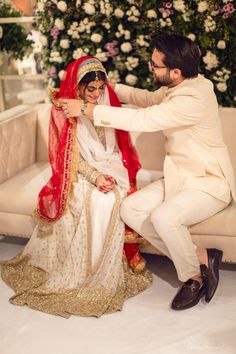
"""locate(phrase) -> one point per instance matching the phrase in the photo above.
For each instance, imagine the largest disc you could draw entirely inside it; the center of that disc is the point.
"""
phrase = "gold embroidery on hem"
(29, 282)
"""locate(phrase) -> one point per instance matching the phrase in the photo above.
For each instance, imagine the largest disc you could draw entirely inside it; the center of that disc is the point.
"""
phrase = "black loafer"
(188, 295)
(210, 274)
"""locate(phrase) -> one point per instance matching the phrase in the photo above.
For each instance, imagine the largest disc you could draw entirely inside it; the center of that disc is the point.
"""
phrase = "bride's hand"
(71, 107)
(105, 183)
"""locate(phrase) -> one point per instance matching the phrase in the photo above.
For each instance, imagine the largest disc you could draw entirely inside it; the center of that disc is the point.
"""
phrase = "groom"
(198, 179)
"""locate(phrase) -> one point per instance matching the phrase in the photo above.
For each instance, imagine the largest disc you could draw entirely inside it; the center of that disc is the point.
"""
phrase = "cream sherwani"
(196, 165)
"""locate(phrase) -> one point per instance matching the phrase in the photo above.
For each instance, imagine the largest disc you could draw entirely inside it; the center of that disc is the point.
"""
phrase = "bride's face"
(92, 91)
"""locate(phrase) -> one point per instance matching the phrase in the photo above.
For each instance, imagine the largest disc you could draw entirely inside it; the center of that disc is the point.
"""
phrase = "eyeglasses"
(153, 65)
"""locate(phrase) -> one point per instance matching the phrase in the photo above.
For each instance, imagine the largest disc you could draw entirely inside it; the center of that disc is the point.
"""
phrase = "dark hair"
(92, 76)
(179, 53)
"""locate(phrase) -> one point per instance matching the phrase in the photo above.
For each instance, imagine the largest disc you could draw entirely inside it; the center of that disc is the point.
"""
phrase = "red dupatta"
(63, 152)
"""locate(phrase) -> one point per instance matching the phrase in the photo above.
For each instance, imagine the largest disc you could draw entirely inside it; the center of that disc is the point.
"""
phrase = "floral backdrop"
(117, 32)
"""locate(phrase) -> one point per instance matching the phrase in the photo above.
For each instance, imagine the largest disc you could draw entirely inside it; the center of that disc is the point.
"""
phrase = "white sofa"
(24, 169)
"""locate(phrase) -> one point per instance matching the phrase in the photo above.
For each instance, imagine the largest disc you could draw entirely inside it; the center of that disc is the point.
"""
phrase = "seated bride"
(81, 259)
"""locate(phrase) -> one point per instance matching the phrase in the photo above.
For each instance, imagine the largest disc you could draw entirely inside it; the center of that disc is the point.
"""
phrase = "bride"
(76, 262)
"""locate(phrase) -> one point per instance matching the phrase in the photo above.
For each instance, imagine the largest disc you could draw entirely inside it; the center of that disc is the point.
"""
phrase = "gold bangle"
(93, 177)
(83, 108)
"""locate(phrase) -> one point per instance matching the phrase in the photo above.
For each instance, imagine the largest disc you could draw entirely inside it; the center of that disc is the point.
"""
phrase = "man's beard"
(164, 80)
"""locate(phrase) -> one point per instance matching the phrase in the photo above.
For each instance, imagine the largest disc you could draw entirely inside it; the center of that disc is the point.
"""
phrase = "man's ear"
(176, 73)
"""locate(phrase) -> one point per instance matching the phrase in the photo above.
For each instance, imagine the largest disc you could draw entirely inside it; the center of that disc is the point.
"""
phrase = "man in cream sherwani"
(198, 178)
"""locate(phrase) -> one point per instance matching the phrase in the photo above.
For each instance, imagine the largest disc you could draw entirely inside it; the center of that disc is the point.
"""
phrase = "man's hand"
(72, 108)
(105, 183)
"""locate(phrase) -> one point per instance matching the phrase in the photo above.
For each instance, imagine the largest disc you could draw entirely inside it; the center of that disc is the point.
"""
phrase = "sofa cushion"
(18, 195)
(16, 225)
(223, 223)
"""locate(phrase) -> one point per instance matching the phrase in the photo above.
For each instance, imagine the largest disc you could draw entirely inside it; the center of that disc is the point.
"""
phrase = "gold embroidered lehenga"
(76, 265)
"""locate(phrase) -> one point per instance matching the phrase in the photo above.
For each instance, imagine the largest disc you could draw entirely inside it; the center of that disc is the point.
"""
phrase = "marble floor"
(145, 326)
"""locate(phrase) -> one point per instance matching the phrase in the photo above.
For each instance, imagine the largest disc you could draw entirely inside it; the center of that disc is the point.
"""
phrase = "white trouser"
(165, 223)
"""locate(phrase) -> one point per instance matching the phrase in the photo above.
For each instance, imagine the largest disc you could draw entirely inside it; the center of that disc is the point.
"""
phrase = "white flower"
(168, 22)
(179, 5)
(113, 76)
(135, 11)
(64, 43)
(1, 32)
(151, 14)
(119, 13)
(221, 86)
(106, 25)
(101, 55)
(214, 13)
(211, 60)
(133, 19)
(78, 3)
(141, 41)
(44, 40)
(221, 44)
(131, 79)
(61, 74)
(202, 6)
(162, 22)
(96, 38)
(186, 17)
(78, 53)
(126, 47)
(59, 24)
(209, 24)
(133, 14)
(106, 8)
(222, 75)
(40, 6)
(131, 63)
(62, 6)
(191, 36)
(89, 8)
(55, 57)
(73, 30)
(127, 34)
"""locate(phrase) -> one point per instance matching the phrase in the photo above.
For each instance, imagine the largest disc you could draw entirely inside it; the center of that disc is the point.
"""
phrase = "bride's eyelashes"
(93, 89)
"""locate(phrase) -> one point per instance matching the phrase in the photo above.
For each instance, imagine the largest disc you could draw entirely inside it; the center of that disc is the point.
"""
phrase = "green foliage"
(13, 37)
(118, 33)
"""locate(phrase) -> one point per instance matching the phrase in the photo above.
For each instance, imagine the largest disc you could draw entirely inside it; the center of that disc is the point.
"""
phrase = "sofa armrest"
(17, 140)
